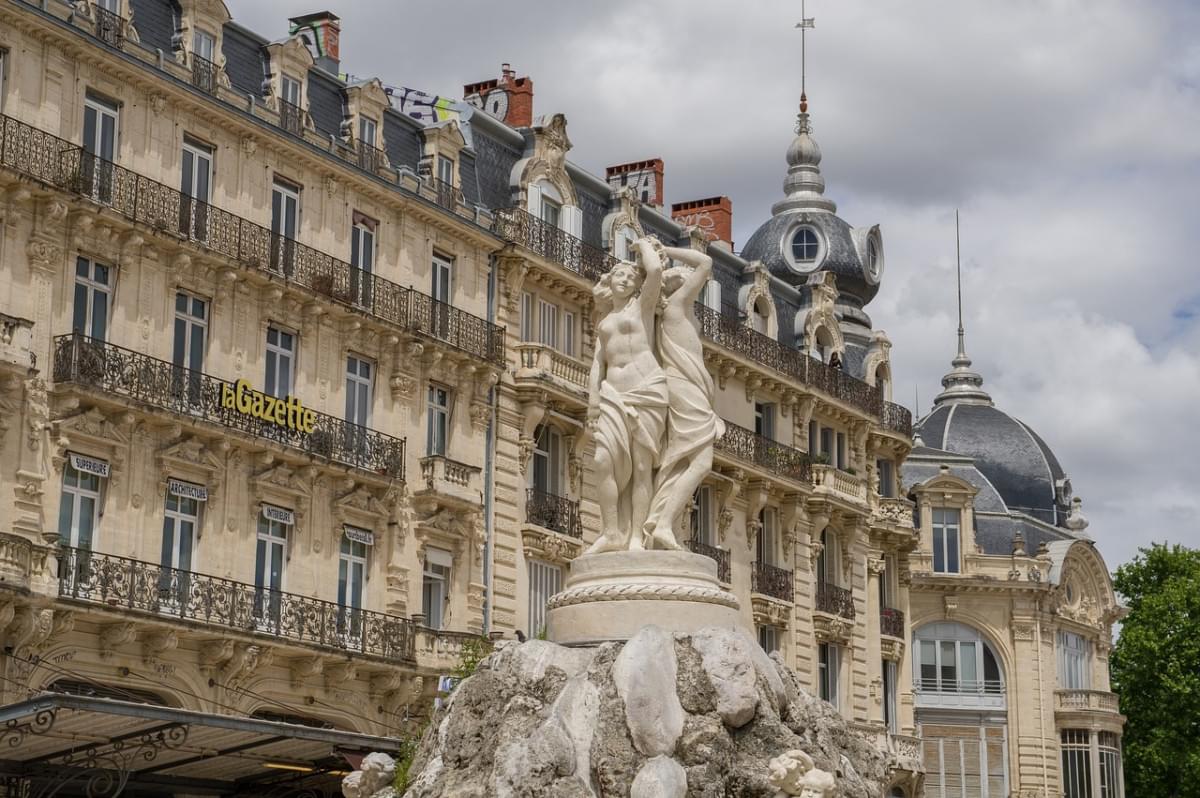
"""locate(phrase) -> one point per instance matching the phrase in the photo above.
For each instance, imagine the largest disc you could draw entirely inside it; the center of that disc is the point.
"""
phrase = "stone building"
(295, 372)
(1012, 610)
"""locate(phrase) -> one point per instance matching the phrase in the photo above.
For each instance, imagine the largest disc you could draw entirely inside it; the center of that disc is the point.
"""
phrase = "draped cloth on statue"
(692, 424)
(638, 415)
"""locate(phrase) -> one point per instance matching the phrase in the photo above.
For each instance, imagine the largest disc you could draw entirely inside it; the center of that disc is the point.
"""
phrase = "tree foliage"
(1155, 669)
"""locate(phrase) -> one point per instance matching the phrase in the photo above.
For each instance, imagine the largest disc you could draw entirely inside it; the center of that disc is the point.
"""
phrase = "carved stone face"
(626, 280)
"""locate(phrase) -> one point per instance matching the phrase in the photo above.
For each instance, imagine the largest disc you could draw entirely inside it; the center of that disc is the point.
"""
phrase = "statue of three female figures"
(650, 406)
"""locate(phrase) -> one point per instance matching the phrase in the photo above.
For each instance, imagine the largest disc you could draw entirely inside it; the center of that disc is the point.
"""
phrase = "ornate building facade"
(295, 373)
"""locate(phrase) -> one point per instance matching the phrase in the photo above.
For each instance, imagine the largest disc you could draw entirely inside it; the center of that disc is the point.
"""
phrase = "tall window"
(767, 545)
(367, 131)
(829, 663)
(281, 362)
(1077, 763)
(545, 580)
(712, 295)
(441, 289)
(435, 587)
(359, 389)
(946, 541)
(548, 462)
(100, 146)
(92, 293)
(887, 582)
(438, 411)
(764, 419)
(285, 220)
(551, 211)
(362, 259)
(887, 478)
(768, 637)
(1074, 662)
(827, 447)
(548, 316)
(352, 578)
(204, 45)
(952, 658)
(3, 75)
(527, 317)
(829, 560)
(274, 528)
(1111, 777)
(289, 89)
(181, 520)
(889, 671)
(195, 183)
(187, 353)
(79, 507)
(568, 336)
(445, 170)
(840, 453)
(702, 516)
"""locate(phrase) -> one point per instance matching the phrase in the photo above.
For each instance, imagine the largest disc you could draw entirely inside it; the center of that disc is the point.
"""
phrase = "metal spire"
(961, 384)
(804, 24)
(962, 351)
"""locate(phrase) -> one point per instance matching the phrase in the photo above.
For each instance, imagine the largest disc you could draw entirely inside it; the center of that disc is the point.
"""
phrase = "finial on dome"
(961, 383)
(803, 102)
(1076, 521)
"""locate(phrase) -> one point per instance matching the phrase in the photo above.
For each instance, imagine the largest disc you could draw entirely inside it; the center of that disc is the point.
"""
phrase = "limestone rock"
(660, 777)
(731, 670)
(645, 676)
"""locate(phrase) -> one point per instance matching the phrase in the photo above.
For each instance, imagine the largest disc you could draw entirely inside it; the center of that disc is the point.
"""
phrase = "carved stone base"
(610, 596)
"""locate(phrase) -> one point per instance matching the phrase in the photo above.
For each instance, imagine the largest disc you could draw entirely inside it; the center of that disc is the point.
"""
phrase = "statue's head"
(626, 279)
(673, 279)
(817, 783)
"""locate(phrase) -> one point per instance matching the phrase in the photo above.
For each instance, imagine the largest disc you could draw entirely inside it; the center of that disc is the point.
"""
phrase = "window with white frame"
(946, 540)
(362, 258)
(829, 559)
(702, 516)
(768, 637)
(93, 287)
(79, 508)
(954, 658)
(548, 461)
(548, 318)
(204, 44)
(195, 183)
(767, 545)
(1074, 661)
(289, 90)
(623, 242)
(435, 587)
(1077, 763)
(367, 130)
(100, 127)
(281, 362)
(712, 295)
(887, 478)
(968, 758)
(191, 331)
(829, 664)
(1112, 784)
(445, 170)
(285, 222)
(437, 409)
(764, 419)
(352, 573)
(568, 333)
(528, 319)
(270, 556)
(181, 524)
(551, 211)
(545, 579)
(887, 582)
(360, 388)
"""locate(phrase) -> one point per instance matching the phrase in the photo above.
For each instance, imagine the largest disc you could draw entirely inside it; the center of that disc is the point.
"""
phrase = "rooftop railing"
(520, 227)
(291, 118)
(110, 27)
(111, 369)
(66, 166)
(778, 458)
(367, 157)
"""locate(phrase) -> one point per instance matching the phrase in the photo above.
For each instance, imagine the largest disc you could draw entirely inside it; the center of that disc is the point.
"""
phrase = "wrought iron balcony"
(291, 118)
(110, 27)
(897, 418)
(720, 555)
(125, 585)
(891, 622)
(368, 157)
(99, 366)
(443, 193)
(778, 458)
(68, 167)
(771, 580)
(551, 511)
(835, 600)
(204, 74)
(523, 228)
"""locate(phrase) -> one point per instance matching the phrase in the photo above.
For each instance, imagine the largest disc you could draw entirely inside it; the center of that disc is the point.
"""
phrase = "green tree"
(1156, 671)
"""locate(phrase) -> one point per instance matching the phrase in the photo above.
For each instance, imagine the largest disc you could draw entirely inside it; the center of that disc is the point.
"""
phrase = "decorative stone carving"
(792, 774)
(114, 635)
(759, 290)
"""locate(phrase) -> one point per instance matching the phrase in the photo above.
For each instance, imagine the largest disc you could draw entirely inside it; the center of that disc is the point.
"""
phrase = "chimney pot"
(714, 217)
(645, 177)
(324, 30)
(509, 98)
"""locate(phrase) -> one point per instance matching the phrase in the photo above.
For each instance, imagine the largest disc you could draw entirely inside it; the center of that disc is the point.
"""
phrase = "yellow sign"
(287, 413)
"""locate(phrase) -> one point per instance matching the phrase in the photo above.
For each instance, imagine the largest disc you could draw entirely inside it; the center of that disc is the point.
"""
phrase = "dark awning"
(69, 744)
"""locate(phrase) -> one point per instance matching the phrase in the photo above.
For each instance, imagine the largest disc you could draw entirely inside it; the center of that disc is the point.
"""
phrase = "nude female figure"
(692, 423)
(628, 398)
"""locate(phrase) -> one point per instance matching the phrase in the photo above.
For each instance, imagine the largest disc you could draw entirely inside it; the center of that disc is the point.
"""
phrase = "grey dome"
(840, 252)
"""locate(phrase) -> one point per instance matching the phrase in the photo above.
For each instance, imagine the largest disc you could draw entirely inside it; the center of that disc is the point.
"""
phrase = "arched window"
(622, 241)
(955, 662)
(759, 315)
(822, 344)
(883, 380)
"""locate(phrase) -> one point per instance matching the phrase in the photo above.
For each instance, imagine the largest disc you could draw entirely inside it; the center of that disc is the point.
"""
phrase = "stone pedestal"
(611, 596)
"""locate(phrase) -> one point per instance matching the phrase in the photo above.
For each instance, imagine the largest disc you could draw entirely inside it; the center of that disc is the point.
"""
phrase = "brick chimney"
(507, 98)
(321, 31)
(645, 177)
(714, 217)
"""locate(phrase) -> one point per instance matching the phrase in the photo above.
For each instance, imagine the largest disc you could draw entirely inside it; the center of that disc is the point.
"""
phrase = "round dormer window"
(874, 260)
(805, 250)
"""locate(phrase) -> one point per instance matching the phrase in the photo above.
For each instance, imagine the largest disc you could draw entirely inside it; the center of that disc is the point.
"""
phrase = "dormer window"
(946, 541)
(289, 90)
(551, 211)
(204, 44)
(445, 170)
(805, 245)
(366, 131)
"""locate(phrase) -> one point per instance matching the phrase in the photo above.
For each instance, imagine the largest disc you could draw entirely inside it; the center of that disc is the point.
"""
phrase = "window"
(100, 146)
(352, 577)
(829, 663)
(766, 550)
(764, 419)
(1077, 763)
(548, 462)
(548, 316)
(1111, 783)
(441, 291)
(952, 658)
(359, 390)
(712, 295)
(435, 587)
(545, 580)
(195, 184)
(204, 45)
(702, 516)
(888, 672)
(362, 259)
(527, 318)
(79, 507)
(281, 362)
(768, 638)
(827, 444)
(758, 317)
(3, 64)
(289, 89)
(887, 478)
(191, 331)
(92, 292)
(805, 245)
(111, 6)
(829, 560)
(551, 211)
(945, 541)
(181, 521)
(568, 336)
(965, 758)
(285, 216)
(274, 528)
(623, 242)
(438, 411)
(1074, 662)
(840, 460)
(445, 170)
(367, 130)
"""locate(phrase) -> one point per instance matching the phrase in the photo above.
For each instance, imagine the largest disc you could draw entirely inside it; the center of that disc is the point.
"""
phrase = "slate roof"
(841, 255)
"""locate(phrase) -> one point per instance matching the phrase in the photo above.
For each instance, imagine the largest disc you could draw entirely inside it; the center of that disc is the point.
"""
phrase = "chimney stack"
(320, 31)
(507, 98)
(714, 217)
(644, 177)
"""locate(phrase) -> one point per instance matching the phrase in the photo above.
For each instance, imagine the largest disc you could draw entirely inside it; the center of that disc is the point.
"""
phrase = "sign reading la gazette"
(288, 413)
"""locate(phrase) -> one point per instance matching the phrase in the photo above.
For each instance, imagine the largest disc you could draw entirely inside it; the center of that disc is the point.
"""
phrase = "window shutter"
(572, 220)
(533, 200)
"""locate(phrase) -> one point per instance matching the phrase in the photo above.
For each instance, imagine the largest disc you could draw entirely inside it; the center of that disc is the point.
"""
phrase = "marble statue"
(651, 397)
(373, 779)
(792, 774)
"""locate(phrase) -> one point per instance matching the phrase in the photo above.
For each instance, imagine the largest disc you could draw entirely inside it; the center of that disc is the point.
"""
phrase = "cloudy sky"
(1066, 131)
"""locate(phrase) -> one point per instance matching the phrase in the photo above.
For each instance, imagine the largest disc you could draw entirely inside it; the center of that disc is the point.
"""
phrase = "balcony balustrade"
(204, 74)
(839, 483)
(720, 555)
(772, 456)
(291, 118)
(110, 27)
(959, 693)
(443, 193)
(126, 584)
(520, 227)
(59, 163)
(891, 622)
(897, 418)
(771, 580)
(1090, 700)
(835, 600)
(538, 361)
(108, 369)
(367, 157)
(551, 511)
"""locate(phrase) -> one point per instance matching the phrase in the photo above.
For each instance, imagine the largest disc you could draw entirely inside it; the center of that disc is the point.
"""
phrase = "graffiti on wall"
(427, 108)
(641, 181)
(700, 219)
(493, 102)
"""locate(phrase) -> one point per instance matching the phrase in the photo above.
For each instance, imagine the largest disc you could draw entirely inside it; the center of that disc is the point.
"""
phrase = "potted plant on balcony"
(821, 458)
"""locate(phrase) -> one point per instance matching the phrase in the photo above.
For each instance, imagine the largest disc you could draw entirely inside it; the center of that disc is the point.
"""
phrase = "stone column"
(875, 565)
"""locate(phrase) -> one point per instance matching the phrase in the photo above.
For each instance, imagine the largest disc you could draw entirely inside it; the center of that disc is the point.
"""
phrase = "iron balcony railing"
(891, 622)
(835, 600)
(550, 511)
(771, 580)
(111, 369)
(291, 118)
(720, 555)
(445, 194)
(778, 458)
(367, 157)
(68, 167)
(126, 584)
(897, 418)
(110, 28)
(204, 74)
(990, 687)
(520, 227)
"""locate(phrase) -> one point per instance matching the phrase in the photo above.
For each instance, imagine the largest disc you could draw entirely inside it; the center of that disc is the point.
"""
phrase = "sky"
(1066, 132)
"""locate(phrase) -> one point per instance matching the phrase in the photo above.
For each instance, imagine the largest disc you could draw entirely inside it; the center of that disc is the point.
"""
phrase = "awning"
(76, 745)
